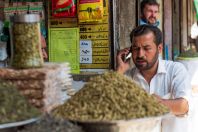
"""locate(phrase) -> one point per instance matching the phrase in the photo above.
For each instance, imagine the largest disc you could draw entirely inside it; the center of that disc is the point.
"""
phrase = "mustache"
(140, 59)
(152, 17)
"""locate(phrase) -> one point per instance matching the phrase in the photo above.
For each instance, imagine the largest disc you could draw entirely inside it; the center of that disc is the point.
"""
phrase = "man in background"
(149, 12)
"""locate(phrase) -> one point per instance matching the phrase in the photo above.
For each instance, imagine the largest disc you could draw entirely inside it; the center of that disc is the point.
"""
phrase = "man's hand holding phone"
(123, 59)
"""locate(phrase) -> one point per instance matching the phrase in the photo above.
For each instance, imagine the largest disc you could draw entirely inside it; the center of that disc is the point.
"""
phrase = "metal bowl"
(148, 124)
(12, 127)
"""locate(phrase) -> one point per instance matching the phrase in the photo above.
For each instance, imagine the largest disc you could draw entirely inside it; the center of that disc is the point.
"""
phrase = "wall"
(127, 21)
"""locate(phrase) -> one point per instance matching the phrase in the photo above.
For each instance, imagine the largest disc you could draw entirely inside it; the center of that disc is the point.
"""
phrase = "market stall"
(80, 46)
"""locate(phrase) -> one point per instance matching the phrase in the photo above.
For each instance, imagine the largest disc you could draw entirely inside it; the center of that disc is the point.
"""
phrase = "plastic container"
(26, 41)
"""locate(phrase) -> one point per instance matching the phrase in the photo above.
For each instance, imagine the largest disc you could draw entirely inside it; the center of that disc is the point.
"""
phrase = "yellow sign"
(94, 66)
(64, 46)
(100, 51)
(105, 19)
(94, 28)
(100, 43)
(63, 22)
(100, 59)
(105, 4)
(98, 35)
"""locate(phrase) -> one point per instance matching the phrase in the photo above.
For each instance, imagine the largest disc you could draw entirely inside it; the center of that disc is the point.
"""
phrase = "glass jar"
(26, 41)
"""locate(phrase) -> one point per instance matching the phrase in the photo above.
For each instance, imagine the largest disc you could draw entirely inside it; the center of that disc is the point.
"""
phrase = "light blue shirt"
(142, 22)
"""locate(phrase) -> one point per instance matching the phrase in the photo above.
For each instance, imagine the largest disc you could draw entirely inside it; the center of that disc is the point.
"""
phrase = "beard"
(143, 64)
(152, 20)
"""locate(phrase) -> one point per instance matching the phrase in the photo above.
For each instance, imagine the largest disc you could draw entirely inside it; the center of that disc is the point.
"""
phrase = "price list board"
(95, 43)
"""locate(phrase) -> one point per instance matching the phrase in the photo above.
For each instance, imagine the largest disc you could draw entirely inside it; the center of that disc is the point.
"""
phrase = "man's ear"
(160, 48)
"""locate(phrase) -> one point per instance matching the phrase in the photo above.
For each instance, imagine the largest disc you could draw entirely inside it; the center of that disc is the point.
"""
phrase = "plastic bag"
(64, 8)
(90, 10)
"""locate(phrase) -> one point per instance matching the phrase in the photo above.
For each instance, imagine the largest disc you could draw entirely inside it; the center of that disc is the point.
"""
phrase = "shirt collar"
(161, 66)
(143, 22)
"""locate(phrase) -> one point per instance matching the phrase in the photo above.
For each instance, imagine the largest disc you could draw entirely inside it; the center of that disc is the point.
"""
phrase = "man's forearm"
(177, 106)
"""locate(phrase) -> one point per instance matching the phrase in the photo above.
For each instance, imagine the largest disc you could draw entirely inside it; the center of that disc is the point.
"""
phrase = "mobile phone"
(129, 55)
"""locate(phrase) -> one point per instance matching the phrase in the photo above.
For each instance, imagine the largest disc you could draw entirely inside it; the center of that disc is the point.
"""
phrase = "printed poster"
(64, 47)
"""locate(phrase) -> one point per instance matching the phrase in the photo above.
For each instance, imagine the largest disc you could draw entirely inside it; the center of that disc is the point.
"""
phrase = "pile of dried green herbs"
(50, 124)
(107, 97)
(13, 106)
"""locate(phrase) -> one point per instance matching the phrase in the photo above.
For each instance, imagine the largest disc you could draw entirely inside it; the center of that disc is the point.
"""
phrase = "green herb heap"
(110, 97)
(13, 106)
(190, 53)
(50, 124)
